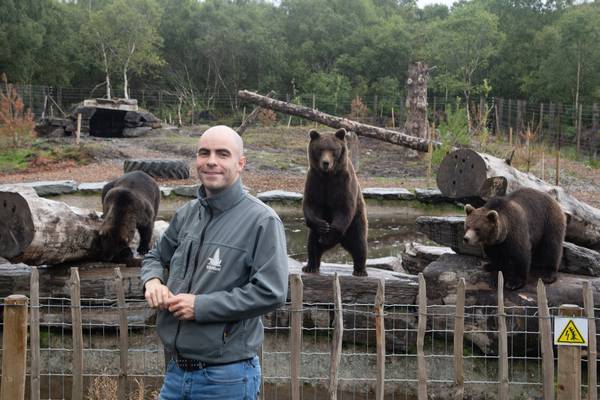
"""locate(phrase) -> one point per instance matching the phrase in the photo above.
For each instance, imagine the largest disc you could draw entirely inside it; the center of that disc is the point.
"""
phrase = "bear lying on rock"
(129, 202)
(333, 205)
(522, 230)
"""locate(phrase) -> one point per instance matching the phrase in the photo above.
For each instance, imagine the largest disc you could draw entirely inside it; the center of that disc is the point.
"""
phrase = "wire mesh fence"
(357, 375)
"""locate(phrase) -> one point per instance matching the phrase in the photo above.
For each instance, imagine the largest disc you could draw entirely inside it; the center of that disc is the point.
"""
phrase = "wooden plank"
(34, 332)
(14, 345)
(123, 389)
(459, 330)
(592, 366)
(502, 342)
(569, 362)
(338, 334)
(77, 332)
(296, 288)
(380, 340)
(422, 325)
(546, 342)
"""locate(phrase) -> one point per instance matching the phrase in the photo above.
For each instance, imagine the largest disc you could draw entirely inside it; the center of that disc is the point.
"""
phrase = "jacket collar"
(224, 200)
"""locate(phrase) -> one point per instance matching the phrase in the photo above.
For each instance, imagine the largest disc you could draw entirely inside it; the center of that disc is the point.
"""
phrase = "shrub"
(16, 124)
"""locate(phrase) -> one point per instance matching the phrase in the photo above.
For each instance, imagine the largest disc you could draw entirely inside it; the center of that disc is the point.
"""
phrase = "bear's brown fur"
(333, 205)
(129, 202)
(522, 230)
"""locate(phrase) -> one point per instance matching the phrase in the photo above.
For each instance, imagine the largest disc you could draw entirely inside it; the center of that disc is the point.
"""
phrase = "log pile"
(467, 174)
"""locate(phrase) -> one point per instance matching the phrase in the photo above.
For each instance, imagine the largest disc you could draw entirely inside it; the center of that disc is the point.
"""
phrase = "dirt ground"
(277, 160)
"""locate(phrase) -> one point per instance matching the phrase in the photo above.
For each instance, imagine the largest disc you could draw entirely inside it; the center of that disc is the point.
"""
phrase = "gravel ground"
(277, 160)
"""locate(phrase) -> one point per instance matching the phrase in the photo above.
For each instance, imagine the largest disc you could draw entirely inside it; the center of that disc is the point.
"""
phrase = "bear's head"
(328, 152)
(482, 226)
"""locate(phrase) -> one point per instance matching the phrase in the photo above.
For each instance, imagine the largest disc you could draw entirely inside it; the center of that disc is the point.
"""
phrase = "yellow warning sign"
(570, 335)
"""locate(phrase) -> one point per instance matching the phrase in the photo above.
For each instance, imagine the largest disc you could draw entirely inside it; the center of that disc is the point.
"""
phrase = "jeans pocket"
(226, 374)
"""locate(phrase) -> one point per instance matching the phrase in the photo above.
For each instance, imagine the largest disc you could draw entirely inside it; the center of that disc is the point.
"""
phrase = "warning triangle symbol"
(570, 334)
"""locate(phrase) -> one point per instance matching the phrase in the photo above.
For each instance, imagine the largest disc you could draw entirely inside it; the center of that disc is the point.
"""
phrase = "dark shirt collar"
(223, 200)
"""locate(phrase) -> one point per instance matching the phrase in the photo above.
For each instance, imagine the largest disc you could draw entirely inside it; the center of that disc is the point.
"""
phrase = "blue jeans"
(238, 381)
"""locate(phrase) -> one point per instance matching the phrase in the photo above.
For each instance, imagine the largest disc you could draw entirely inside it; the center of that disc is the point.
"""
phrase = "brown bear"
(333, 205)
(520, 231)
(129, 202)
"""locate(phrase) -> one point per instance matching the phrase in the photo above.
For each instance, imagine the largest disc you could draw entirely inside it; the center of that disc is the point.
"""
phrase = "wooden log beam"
(37, 231)
(251, 117)
(465, 174)
(386, 135)
(449, 231)
(442, 278)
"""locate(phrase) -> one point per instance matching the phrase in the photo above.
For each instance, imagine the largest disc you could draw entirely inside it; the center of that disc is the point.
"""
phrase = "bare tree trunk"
(125, 68)
(386, 135)
(416, 101)
(251, 117)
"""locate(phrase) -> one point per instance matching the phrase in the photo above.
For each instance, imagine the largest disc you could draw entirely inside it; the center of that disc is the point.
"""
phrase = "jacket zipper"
(193, 273)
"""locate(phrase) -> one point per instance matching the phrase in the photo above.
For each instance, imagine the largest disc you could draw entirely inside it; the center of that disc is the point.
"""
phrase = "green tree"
(568, 70)
(125, 36)
(461, 47)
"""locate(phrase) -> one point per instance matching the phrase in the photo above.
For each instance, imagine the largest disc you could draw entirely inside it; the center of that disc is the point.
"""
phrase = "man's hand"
(157, 294)
(182, 306)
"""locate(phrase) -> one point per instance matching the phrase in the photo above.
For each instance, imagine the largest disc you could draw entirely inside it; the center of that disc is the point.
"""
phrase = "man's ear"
(242, 162)
(341, 134)
(314, 134)
(492, 216)
(469, 209)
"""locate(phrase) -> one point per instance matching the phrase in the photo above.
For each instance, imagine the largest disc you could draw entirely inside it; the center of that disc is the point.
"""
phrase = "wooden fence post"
(78, 131)
(34, 332)
(546, 342)
(588, 303)
(509, 113)
(502, 342)
(338, 334)
(380, 340)
(296, 288)
(123, 388)
(459, 330)
(14, 345)
(569, 362)
(421, 326)
(76, 327)
(558, 137)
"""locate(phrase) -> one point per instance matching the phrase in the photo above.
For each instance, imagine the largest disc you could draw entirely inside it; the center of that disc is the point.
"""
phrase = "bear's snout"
(325, 165)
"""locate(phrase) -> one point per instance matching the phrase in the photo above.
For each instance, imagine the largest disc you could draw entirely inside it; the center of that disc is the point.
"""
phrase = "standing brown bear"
(129, 202)
(518, 231)
(333, 205)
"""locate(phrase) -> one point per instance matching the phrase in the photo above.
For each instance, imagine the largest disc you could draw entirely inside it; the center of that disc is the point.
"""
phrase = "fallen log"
(37, 231)
(466, 174)
(449, 231)
(481, 313)
(251, 117)
(386, 135)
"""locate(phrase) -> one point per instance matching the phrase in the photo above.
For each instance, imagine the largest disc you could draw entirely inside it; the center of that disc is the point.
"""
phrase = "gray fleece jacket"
(229, 250)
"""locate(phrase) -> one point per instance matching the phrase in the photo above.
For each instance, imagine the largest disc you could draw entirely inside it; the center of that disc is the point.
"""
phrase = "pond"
(391, 223)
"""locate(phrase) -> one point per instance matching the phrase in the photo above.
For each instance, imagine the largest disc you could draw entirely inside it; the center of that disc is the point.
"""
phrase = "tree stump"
(416, 101)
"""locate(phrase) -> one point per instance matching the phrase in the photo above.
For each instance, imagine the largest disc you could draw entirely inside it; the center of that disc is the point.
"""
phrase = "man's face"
(218, 160)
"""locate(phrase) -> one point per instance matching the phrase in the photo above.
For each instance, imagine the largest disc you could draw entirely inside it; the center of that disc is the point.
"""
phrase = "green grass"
(42, 152)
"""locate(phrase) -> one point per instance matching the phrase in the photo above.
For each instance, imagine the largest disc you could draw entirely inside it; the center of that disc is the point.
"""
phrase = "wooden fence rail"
(569, 359)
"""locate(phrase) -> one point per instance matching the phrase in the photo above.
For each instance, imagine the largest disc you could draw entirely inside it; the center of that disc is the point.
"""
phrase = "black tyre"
(159, 168)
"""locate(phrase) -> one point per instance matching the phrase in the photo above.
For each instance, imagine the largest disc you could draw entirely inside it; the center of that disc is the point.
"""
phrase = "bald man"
(220, 265)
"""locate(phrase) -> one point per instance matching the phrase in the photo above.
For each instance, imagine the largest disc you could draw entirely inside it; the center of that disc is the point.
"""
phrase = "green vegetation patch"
(42, 154)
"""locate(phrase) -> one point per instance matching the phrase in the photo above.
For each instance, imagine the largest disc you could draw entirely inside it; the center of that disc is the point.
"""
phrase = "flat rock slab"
(433, 196)
(186, 190)
(91, 187)
(388, 194)
(52, 188)
(279, 195)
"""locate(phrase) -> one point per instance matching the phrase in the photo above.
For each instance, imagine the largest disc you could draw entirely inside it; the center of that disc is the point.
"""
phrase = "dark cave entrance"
(107, 123)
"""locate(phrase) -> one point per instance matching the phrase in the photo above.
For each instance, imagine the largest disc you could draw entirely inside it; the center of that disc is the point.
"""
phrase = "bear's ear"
(469, 209)
(340, 134)
(492, 216)
(314, 134)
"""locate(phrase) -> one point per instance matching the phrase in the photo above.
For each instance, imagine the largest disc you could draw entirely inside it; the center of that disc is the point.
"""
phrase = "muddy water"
(391, 224)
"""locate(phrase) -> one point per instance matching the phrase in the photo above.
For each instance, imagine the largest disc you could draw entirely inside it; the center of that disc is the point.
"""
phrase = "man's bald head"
(224, 133)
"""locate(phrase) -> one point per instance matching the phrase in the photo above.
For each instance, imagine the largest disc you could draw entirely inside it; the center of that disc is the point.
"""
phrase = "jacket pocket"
(181, 259)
